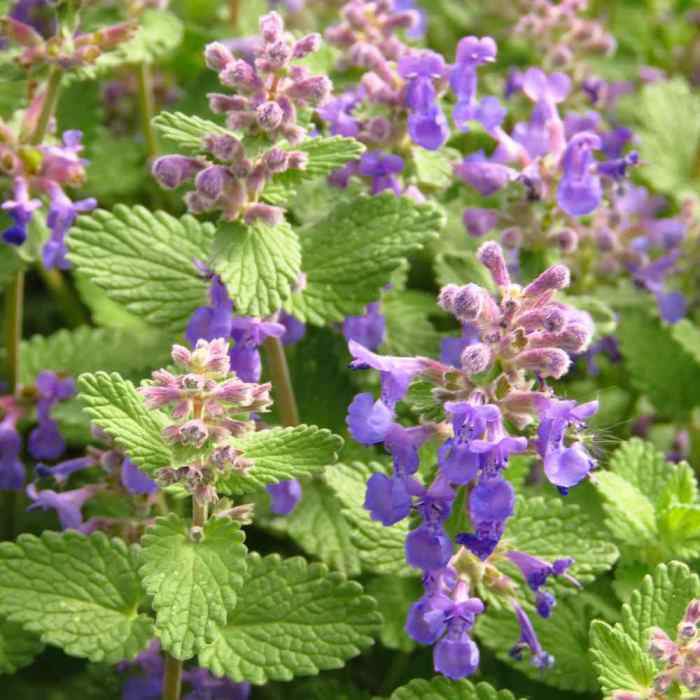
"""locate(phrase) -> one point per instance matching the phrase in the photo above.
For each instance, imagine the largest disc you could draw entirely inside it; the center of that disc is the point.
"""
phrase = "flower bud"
(313, 90)
(217, 56)
(223, 147)
(23, 34)
(276, 57)
(270, 215)
(197, 204)
(475, 358)
(512, 238)
(271, 27)
(467, 302)
(275, 161)
(171, 171)
(692, 612)
(491, 257)
(220, 104)
(446, 297)
(548, 362)
(211, 181)
(552, 279)
(566, 239)
(297, 160)
(306, 45)
(239, 74)
(269, 116)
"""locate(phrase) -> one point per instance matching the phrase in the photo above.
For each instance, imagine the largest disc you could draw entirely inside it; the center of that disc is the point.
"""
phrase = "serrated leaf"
(687, 335)
(115, 406)
(279, 454)
(88, 349)
(144, 260)
(434, 168)
(564, 635)
(659, 366)
(408, 328)
(194, 584)
(349, 256)
(679, 529)
(394, 596)
(17, 647)
(620, 662)
(631, 517)
(325, 153)
(660, 602)
(643, 466)
(381, 549)
(551, 529)
(259, 264)
(187, 131)
(440, 688)
(317, 528)
(292, 619)
(81, 593)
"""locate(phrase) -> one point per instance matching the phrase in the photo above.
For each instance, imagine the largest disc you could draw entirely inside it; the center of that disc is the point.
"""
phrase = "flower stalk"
(281, 381)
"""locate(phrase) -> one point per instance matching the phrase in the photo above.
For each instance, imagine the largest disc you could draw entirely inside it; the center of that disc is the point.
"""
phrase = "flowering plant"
(351, 350)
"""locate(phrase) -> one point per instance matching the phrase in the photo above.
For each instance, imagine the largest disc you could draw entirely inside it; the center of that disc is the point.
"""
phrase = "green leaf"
(143, 260)
(631, 517)
(17, 647)
(687, 335)
(292, 619)
(326, 154)
(315, 526)
(620, 662)
(659, 366)
(279, 454)
(660, 602)
(408, 328)
(440, 688)
(115, 406)
(88, 349)
(79, 593)
(434, 168)
(259, 264)
(394, 596)
(564, 635)
(551, 529)
(193, 582)
(187, 131)
(349, 256)
(381, 549)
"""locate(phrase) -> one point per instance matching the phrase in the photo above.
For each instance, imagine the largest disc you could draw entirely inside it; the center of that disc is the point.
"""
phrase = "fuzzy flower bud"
(269, 116)
(271, 27)
(211, 181)
(468, 302)
(552, 279)
(547, 362)
(476, 358)
(491, 257)
(217, 56)
(306, 45)
(172, 171)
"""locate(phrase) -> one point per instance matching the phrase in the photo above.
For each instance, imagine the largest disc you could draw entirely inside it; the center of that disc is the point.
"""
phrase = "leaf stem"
(172, 679)
(48, 107)
(71, 306)
(282, 383)
(147, 108)
(14, 302)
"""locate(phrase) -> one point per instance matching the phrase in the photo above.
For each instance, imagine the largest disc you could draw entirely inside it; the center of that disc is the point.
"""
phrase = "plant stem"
(234, 13)
(282, 383)
(200, 512)
(14, 299)
(147, 108)
(64, 295)
(172, 679)
(48, 107)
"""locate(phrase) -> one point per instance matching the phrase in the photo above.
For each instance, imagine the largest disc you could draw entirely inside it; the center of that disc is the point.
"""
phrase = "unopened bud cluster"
(208, 405)
(266, 98)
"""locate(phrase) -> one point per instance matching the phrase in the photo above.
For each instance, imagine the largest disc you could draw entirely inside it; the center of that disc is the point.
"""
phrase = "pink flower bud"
(240, 120)
(548, 318)
(172, 171)
(467, 302)
(269, 116)
(270, 215)
(447, 296)
(220, 104)
(275, 161)
(211, 181)
(271, 27)
(476, 358)
(181, 355)
(217, 56)
(552, 279)
(240, 75)
(198, 204)
(306, 45)
(23, 34)
(548, 362)
(223, 147)
(692, 612)
(110, 37)
(491, 257)
(297, 160)
(194, 432)
(276, 57)
(313, 90)
(512, 238)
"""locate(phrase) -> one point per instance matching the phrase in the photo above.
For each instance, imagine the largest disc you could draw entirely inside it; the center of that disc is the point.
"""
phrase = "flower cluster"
(208, 404)
(511, 349)
(45, 440)
(270, 99)
(679, 659)
(41, 173)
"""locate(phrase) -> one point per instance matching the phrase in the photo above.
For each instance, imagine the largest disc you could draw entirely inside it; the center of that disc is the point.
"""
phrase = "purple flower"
(21, 210)
(485, 176)
(207, 687)
(213, 321)
(404, 443)
(451, 348)
(249, 333)
(135, 481)
(295, 329)
(471, 53)
(284, 496)
(456, 655)
(528, 639)
(479, 221)
(368, 420)
(417, 31)
(11, 468)
(580, 192)
(367, 330)
(46, 441)
(387, 499)
(62, 214)
(382, 168)
(66, 504)
(63, 471)
(39, 14)
(338, 113)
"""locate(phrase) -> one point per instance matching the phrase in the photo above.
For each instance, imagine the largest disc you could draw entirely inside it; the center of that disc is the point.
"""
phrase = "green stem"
(70, 305)
(234, 13)
(48, 107)
(14, 299)
(147, 108)
(282, 383)
(172, 680)
(200, 512)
